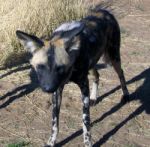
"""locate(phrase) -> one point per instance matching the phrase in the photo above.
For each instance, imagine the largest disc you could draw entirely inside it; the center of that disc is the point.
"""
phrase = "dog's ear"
(72, 41)
(30, 42)
(74, 48)
(70, 34)
(70, 29)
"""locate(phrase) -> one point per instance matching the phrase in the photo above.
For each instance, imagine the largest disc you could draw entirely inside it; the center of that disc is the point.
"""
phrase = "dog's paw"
(47, 146)
(93, 102)
(125, 98)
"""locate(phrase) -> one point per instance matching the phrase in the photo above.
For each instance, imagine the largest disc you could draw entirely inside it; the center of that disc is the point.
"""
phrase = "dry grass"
(33, 16)
(27, 119)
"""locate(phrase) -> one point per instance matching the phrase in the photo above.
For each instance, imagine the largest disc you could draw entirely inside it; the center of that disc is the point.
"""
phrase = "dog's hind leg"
(95, 77)
(112, 55)
(118, 69)
(56, 102)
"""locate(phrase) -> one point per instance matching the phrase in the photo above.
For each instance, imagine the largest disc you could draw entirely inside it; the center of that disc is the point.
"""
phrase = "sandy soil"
(25, 111)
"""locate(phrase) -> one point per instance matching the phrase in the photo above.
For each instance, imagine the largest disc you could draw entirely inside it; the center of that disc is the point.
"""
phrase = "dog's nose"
(46, 88)
(49, 89)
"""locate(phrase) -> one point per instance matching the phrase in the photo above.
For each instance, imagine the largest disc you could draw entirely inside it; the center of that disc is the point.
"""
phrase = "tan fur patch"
(59, 43)
(39, 57)
(98, 14)
(61, 55)
(46, 43)
(92, 24)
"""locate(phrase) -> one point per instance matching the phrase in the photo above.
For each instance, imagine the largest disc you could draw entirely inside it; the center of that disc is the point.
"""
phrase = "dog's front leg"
(56, 102)
(84, 86)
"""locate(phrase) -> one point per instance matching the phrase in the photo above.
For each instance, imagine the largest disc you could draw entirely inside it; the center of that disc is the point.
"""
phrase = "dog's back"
(103, 32)
(100, 37)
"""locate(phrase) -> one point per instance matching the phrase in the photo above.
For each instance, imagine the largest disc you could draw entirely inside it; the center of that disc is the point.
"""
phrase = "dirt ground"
(25, 111)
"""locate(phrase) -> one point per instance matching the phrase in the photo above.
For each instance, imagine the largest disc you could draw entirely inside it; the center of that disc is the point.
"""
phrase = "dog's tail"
(105, 5)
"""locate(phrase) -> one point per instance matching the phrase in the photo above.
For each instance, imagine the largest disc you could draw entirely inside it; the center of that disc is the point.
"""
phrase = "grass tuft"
(36, 17)
(19, 144)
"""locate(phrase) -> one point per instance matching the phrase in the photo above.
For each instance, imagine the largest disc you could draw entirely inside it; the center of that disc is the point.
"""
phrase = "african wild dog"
(73, 50)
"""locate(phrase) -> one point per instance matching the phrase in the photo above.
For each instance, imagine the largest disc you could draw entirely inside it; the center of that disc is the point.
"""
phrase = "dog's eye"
(60, 69)
(41, 67)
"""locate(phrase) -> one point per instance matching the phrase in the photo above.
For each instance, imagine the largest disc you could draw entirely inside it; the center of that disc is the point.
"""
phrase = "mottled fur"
(72, 51)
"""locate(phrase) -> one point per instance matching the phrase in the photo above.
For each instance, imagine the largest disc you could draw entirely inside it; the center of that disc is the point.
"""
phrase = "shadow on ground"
(15, 70)
(22, 90)
(142, 94)
(16, 59)
(26, 88)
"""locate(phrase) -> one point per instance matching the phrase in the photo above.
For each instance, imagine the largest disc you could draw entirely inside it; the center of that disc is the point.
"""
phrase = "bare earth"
(25, 111)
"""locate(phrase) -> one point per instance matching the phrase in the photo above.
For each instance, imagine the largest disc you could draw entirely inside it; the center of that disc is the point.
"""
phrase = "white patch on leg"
(53, 137)
(86, 133)
(86, 101)
(84, 116)
(94, 92)
(86, 137)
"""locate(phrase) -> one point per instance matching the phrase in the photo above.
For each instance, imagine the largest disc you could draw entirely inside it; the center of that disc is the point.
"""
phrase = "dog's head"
(53, 60)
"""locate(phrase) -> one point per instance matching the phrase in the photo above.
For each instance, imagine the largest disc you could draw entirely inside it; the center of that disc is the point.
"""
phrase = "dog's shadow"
(21, 90)
(26, 88)
(142, 94)
(20, 68)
